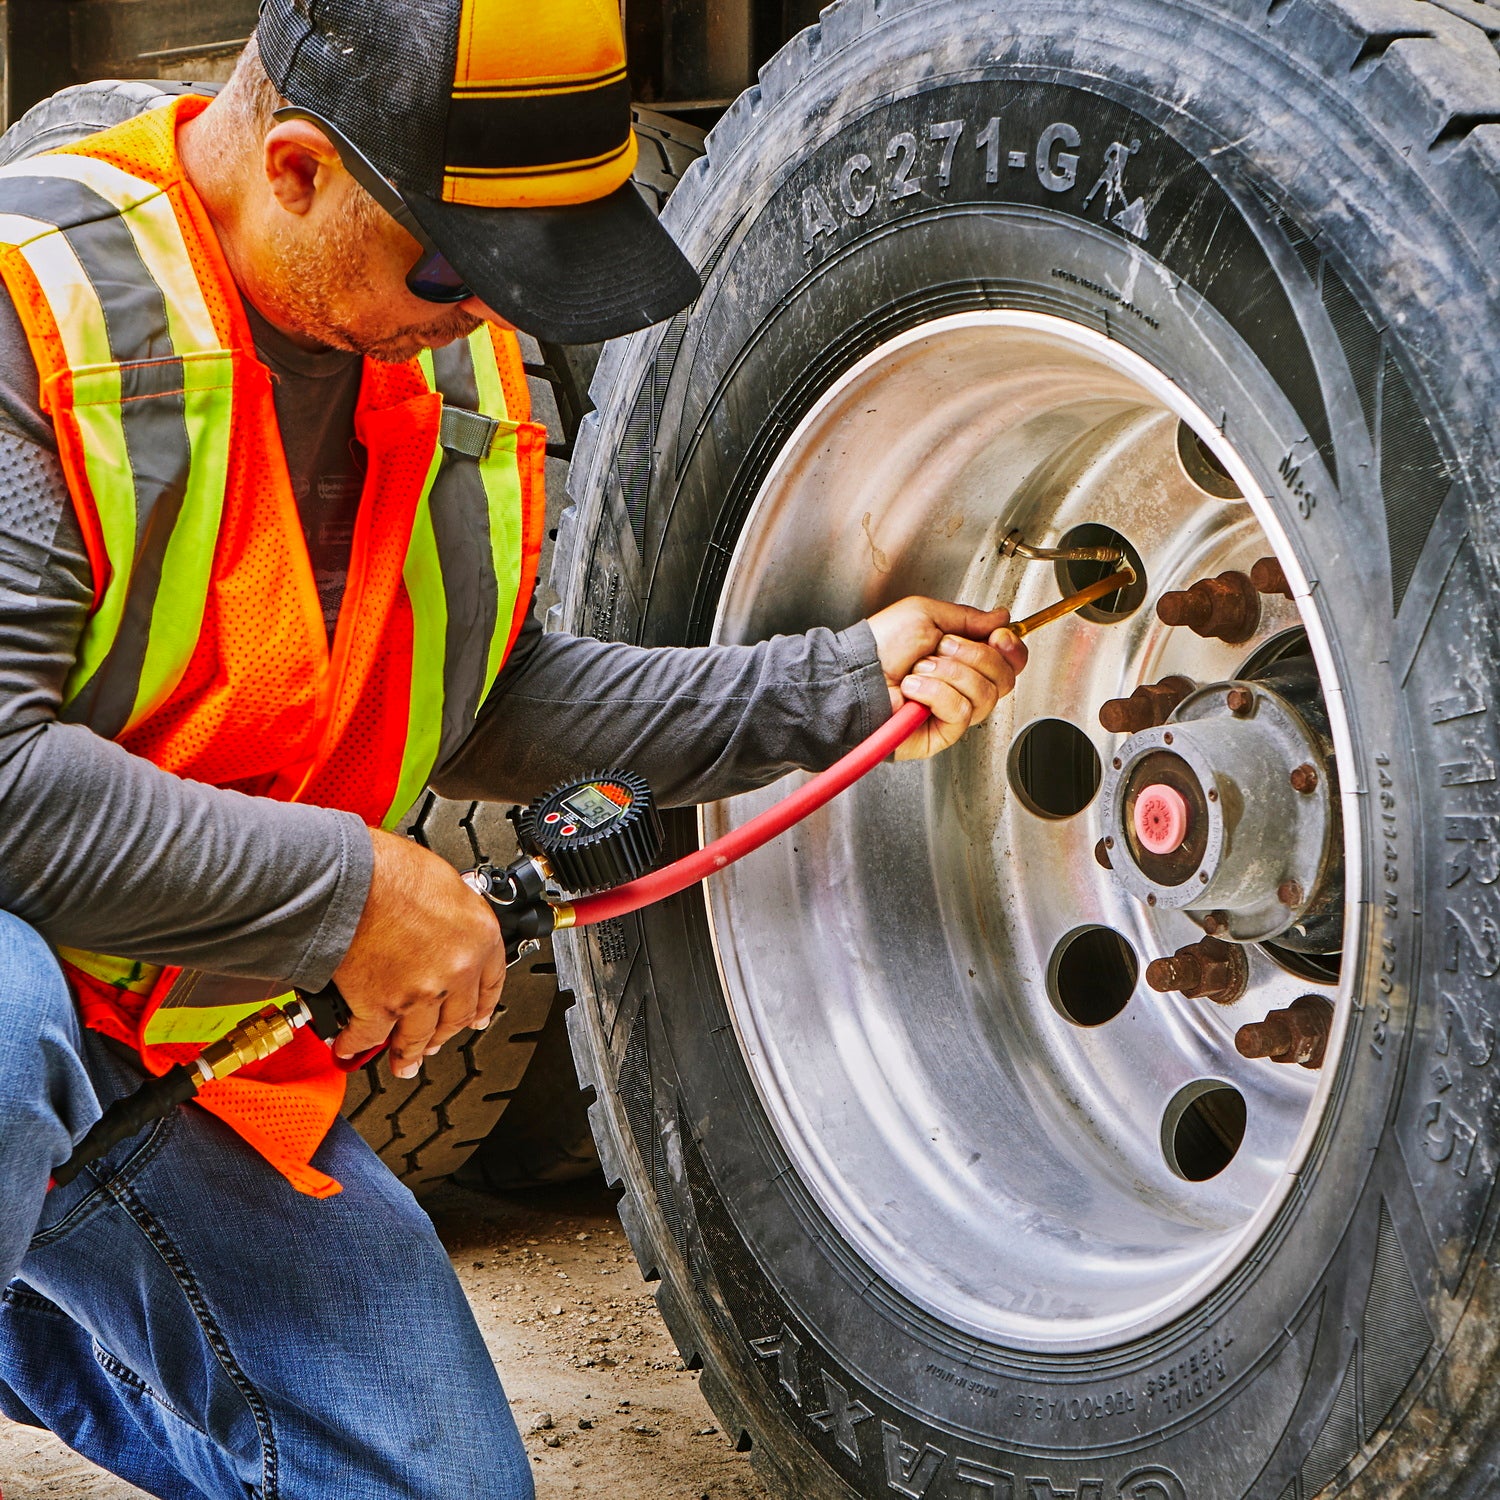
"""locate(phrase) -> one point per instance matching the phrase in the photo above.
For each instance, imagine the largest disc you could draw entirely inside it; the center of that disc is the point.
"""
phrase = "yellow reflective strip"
(178, 1024)
(106, 461)
(501, 476)
(148, 213)
(423, 575)
(429, 369)
(123, 973)
(96, 394)
(208, 374)
(487, 375)
(177, 615)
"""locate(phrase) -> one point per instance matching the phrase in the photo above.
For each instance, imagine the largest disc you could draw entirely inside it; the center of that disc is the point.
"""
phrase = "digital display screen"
(589, 806)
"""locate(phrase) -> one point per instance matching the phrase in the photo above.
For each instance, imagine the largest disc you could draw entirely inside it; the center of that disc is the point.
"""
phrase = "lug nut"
(1209, 970)
(1269, 577)
(1298, 1034)
(1239, 701)
(1304, 778)
(1225, 608)
(1214, 923)
(1289, 893)
(1148, 706)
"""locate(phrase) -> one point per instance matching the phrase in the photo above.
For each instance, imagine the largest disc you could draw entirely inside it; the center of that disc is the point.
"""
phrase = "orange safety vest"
(205, 651)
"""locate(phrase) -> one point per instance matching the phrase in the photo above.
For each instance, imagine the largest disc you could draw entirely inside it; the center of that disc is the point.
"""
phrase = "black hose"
(159, 1096)
(125, 1117)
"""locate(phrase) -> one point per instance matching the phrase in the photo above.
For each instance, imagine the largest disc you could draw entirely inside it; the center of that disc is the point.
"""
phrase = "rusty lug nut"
(1298, 1034)
(1214, 923)
(1225, 608)
(1289, 893)
(1102, 855)
(1304, 778)
(1240, 701)
(1210, 969)
(1149, 705)
(1269, 577)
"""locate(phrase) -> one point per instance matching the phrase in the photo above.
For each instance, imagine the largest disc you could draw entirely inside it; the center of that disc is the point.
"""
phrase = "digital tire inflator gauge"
(594, 839)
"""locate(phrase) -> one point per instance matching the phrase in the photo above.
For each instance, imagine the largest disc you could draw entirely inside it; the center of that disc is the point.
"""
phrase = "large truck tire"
(945, 1198)
(426, 1127)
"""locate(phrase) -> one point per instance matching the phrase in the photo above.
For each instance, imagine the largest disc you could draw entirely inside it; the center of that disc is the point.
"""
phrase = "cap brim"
(576, 274)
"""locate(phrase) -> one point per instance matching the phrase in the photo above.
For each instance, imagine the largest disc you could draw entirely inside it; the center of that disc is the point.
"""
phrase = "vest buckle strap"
(467, 432)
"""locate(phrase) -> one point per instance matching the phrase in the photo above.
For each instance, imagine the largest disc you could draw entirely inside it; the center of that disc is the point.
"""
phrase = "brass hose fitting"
(251, 1041)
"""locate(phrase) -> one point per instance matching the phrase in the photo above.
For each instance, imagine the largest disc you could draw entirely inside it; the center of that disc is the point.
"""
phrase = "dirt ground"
(599, 1393)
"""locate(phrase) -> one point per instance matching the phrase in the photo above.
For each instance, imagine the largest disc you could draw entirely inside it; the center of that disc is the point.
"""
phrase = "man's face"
(346, 285)
(335, 264)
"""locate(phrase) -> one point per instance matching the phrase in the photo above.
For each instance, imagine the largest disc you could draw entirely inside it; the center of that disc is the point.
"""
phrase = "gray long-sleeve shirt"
(101, 850)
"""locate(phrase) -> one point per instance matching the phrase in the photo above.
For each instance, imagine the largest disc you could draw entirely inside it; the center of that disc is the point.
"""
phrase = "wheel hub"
(1201, 815)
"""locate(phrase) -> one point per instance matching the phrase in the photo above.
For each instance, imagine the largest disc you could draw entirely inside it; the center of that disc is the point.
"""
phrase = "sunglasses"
(432, 278)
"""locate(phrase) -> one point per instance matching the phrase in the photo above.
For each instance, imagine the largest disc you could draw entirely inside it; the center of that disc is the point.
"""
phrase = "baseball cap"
(505, 128)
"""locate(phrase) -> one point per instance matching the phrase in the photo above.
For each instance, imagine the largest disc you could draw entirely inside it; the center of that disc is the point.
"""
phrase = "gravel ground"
(598, 1390)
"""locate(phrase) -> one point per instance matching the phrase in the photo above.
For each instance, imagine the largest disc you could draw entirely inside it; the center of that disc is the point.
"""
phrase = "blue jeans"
(184, 1318)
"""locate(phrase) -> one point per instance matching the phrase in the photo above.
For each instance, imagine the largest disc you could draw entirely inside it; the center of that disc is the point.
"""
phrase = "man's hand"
(427, 959)
(959, 661)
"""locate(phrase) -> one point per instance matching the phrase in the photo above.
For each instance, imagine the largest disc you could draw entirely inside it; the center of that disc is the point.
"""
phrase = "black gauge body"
(595, 833)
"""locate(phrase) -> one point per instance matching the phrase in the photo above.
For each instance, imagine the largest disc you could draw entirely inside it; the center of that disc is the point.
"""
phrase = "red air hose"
(761, 829)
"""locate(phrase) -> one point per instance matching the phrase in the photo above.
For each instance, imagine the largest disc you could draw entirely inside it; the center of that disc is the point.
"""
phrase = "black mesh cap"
(513, 151)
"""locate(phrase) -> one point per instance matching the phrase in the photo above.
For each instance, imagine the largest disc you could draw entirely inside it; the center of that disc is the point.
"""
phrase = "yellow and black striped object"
(544, 122)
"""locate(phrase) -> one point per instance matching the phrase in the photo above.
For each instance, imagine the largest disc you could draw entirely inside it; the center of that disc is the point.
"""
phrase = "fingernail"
(431, 1051)
(482, 1025)
(911, 682)
(405, 1070)
(924, 667)
(947, 646)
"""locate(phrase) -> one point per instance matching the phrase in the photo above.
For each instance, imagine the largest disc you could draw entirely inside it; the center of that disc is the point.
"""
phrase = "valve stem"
(1299, 1034)
(1013, 546)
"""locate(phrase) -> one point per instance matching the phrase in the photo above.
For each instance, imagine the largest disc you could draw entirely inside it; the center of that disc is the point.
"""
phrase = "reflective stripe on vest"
(450, 614)
(104, 269)
(157, 468)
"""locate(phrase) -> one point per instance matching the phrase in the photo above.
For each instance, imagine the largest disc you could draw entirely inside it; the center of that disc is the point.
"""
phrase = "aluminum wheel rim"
(891, 981)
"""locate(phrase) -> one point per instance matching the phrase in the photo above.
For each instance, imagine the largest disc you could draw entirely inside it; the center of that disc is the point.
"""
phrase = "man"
(265, 571)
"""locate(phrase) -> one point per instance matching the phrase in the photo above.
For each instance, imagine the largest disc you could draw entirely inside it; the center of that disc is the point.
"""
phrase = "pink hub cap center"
(1161, 818)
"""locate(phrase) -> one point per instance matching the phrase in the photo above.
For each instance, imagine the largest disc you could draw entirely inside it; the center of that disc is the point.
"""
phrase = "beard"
(314, 285)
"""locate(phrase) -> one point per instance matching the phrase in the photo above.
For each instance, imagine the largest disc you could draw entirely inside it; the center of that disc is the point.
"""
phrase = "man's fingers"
(491, 983)
(409, 1041)
(363, 1033)
(964, 619)
(983, 657)
(978, 688)
(950, 707)
(1012, 648)
(457, 1014)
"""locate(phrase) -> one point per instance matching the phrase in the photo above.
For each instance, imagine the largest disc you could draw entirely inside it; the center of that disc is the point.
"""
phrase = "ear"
(299, 161)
